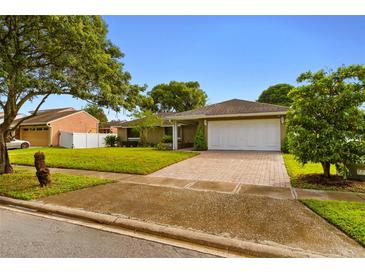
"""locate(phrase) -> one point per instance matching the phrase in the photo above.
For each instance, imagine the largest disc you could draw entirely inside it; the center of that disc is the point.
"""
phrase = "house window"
(39, 129)
(168, 131)
(25, 129)
(132, 134)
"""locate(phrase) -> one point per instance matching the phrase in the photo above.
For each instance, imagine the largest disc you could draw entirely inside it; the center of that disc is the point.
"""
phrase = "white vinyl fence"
(83, 140)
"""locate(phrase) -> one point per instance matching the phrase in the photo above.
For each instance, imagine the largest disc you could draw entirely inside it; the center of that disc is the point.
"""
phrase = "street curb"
(246, 248)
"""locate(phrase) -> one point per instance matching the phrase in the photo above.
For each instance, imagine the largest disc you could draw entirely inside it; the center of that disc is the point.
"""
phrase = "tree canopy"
(97, 112)
(175, 96)
(62, 55)
(145, 120)
(276, 95)
(325, 122)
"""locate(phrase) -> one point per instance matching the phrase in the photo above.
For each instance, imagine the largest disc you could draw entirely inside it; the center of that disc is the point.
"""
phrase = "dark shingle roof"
(231, 107)
(112, 123)
(48, 115)
(162, 115)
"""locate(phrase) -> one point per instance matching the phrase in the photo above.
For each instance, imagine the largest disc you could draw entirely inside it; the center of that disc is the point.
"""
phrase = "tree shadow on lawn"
(335, 183)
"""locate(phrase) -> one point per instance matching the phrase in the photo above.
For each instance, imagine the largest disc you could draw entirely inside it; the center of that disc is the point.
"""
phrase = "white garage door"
(260, 134)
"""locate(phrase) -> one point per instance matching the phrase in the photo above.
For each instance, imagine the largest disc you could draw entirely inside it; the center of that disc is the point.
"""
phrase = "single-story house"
(185, 133)
(229, 125)
(44, 128)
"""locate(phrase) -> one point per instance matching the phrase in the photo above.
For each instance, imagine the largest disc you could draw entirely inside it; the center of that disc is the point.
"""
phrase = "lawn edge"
(327, 220)
(245, 248)
(195, 153)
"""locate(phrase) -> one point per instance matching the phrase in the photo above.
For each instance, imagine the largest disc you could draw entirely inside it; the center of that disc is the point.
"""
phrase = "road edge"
(246, 248)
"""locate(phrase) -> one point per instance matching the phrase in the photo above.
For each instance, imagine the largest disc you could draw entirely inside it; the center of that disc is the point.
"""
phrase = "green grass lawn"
(23, 184)
(296, 169)
(347, 216)
(125, 160)
(307, 177)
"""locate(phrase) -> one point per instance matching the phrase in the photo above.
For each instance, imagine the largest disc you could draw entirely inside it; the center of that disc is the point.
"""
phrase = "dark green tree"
(325, 123)
(62, 55)
(96, 111)
(175, 96)
(276, 95)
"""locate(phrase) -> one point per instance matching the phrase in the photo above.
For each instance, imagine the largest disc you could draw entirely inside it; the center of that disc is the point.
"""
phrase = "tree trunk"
(326, 169)
(5, 166)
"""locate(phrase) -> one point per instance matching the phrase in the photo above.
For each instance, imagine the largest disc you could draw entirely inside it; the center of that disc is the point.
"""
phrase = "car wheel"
(24, 145)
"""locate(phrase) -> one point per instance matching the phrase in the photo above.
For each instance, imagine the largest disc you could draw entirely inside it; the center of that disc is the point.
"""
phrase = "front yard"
(309, 176)
(23, 184)
(347, 216)
(124, 160)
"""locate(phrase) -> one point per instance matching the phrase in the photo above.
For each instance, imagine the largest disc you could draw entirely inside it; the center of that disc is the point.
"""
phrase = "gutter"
(203, 116)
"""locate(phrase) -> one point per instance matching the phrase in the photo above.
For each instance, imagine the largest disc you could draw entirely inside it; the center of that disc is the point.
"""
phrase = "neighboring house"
(44, 128)
(20, 115)
(14, 133)
(186, 133)
(110, 127)
(229, 125)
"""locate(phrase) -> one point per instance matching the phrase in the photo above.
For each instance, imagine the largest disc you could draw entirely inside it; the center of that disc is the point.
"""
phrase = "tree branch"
(34, 113)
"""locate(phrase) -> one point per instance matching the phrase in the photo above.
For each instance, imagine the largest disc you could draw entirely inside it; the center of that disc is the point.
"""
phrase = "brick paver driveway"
(240, 167)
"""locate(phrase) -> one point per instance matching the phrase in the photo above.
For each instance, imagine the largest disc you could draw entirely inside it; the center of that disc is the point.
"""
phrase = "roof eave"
(202, 116)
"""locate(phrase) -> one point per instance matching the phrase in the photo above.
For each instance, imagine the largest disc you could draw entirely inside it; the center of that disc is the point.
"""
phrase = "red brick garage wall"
(80, 122)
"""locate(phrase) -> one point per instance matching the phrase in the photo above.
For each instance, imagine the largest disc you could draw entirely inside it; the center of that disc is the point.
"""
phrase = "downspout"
(49, 134)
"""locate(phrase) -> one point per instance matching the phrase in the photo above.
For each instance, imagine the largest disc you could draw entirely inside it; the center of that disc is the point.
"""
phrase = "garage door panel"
(35, 137)
(260, 134)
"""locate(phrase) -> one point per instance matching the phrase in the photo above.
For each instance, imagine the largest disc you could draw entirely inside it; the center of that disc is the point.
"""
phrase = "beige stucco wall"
(154, 135)
(80, 122)
(188, 134)
(122, 134)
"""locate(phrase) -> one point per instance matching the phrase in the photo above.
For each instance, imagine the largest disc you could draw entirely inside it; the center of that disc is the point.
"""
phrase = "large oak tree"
(175, 96)
(45, 55)
(276, 95)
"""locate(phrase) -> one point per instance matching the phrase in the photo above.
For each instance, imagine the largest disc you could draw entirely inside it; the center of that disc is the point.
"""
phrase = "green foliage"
(175, 96)
(145, 120)
(111, 140)
(299, 179)
(277, 95)
(296, 169)
(325, 123)
(163, 146)
(117, 159)
(97, 112)
(23, 184)
(199, 140)
(130, 143)
(347, 216)
(59, 55)
(285, 145)
(167, 139)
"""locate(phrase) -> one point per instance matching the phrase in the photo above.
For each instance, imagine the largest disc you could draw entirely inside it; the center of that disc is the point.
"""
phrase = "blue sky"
(230, 56)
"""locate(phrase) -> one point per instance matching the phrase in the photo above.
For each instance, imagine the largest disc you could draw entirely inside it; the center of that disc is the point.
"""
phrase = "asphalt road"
(24, 235)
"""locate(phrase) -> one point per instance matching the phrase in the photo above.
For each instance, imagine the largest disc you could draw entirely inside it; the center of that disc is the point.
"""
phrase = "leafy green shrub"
(163, 146)
(167, 139)
(285, 145)
(199, 140)
(130, 143)
(111, 140)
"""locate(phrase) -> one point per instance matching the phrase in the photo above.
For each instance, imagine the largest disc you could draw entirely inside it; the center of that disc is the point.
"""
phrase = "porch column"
(174, 136)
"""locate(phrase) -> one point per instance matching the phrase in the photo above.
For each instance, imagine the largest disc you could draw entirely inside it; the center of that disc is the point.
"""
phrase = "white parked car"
(15, 143)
